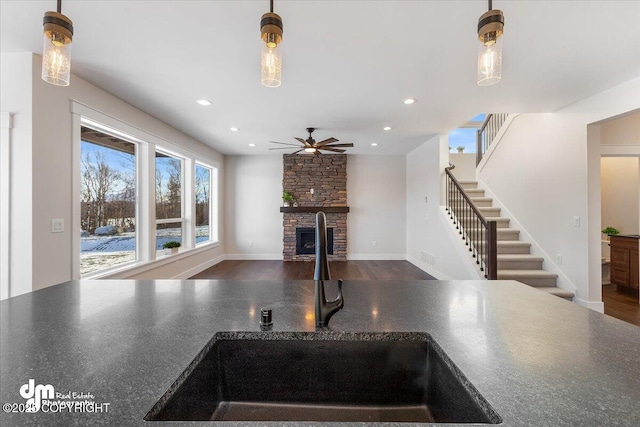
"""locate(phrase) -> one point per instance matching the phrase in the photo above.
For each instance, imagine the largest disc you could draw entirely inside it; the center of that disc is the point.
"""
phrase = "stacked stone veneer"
(327, 175)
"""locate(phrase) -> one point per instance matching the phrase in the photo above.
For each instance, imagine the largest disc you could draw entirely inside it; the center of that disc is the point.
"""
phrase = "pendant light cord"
(490, 4)
(270, 2)
(59, 6)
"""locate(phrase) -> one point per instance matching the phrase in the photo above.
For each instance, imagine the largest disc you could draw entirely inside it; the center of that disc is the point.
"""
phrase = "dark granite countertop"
(537, 359)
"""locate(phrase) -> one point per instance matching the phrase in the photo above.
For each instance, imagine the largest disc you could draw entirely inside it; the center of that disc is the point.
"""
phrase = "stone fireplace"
(326, 174)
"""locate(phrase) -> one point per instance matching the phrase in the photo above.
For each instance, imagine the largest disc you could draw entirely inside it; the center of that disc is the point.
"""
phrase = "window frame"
(182, 220)
(213, 237)
(85, 122)
(146, 255)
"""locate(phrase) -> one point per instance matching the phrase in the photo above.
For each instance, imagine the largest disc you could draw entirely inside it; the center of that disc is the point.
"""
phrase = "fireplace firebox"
(306, 241)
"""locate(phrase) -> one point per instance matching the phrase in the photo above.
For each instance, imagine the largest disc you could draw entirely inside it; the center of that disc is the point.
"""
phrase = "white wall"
(15, 86)
(426, 227)
(253, 196)
(548, 161)
(621, 131)
(375, 194)
(465, 163)
(620, 180)
(48, 185)
(376, 223)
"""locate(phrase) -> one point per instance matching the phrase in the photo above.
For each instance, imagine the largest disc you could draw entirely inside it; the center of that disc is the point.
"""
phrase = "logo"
(44, 398)
(35, 394)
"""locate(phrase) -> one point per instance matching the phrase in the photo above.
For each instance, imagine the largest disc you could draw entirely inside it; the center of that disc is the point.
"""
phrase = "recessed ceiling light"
(234, 129)
(409, 101)
(252, 145)
(204, 102)
(374, 144)
(386, 128)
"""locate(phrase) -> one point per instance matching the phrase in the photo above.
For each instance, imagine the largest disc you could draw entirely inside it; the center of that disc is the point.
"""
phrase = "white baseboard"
(254, 257)
(428, 268)
(593, 305)
(376, 257)
(199, 268)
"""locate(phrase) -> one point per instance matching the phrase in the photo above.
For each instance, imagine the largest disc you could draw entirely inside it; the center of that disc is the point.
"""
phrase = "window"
(134, 192)
(203, 204)
(169, 203)
(107, 201)
(465, 136)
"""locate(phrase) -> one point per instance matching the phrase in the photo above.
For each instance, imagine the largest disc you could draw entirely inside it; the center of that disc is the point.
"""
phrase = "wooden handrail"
(464, 194)
(479, 234)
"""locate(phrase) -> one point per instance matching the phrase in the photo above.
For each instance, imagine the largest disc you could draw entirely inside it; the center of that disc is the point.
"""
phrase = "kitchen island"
(118, 345)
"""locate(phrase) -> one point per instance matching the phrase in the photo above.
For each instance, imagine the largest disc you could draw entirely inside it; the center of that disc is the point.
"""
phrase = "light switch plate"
(57, 225)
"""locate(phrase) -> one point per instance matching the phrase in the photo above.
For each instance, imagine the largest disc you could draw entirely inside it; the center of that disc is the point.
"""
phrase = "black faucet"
(324, 309)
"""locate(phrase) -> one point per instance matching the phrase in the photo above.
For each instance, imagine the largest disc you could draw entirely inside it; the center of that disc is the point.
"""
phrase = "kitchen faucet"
(324, 309)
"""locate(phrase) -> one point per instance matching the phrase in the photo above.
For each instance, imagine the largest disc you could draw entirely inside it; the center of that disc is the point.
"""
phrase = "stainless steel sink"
(323, 376)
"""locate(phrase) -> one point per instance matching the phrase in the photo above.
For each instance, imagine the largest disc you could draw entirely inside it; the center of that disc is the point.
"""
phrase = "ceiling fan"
(310, 145)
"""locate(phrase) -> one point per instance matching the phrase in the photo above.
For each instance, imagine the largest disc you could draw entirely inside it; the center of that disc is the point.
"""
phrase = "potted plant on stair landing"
(287, 199)
(171, 247)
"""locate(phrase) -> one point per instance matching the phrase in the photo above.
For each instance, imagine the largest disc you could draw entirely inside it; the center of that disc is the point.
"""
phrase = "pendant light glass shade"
(271, 66)
(490, 30)
(271, 59)
(56, 51)
(490, 63)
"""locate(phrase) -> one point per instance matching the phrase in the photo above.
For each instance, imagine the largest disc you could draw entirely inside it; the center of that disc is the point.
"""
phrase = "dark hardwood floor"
(621, 303)
(346, 270)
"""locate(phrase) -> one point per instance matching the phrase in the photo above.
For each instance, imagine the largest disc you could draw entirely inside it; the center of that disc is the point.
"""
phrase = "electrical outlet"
(576, 221)
(374, 244)
(250, 244)
(558, 259)
(57, 225)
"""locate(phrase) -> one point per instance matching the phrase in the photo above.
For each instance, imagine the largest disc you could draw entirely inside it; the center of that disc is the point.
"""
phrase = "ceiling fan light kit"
(490, 30)
(271, 59)
(56, 51)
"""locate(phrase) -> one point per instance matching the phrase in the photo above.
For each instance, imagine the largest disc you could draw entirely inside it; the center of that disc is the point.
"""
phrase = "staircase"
(515, 261)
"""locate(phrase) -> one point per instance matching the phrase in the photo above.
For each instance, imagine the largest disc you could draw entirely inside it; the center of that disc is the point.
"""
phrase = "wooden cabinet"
(624, 261)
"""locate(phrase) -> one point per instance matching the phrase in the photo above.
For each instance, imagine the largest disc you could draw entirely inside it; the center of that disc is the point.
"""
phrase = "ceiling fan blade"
(346, 144)
(325, 142)
(335, 150)
(306, 144)
(284, 143)
(296, 152)
(283, 148)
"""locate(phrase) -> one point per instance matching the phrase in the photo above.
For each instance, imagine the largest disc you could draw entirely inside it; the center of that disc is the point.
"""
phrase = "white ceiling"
(347, 65)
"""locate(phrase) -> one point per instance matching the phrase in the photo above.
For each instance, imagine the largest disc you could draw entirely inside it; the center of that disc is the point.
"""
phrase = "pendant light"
(490, 29)
(271, 61)
(56, 53)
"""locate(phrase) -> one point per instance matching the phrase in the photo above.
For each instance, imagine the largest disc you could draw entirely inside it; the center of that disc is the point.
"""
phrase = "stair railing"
(487, 133)
(478, 234)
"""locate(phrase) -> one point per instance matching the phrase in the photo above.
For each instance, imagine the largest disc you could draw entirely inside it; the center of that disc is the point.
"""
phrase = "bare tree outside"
(107, 201)
(168, 198)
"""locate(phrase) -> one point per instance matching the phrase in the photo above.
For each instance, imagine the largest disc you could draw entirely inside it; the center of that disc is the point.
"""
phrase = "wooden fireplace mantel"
(315, 209)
